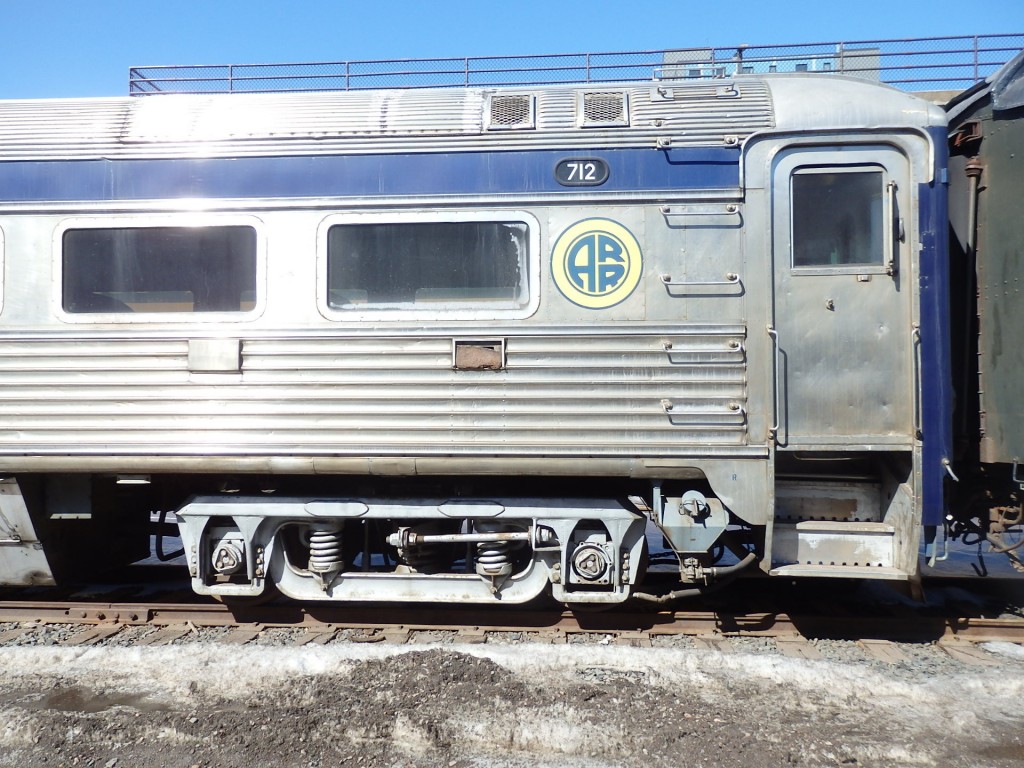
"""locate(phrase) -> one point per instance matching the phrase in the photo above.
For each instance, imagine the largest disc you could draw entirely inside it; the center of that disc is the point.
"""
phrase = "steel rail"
(373, 619)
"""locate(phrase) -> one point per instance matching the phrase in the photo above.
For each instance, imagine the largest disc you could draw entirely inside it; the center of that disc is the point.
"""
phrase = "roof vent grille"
(602, 109)
(508, 112)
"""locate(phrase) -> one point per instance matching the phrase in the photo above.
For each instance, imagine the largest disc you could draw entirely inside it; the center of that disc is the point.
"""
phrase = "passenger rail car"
(469, 345)
(987, 262)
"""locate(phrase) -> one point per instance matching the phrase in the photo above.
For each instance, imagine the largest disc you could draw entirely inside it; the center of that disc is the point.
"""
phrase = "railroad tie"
(883, 650)
(553, 636)
(471, 636)
(966, 653)
(165, 635)
(797, 648)
(14, 634)
(92, 635)
(633, 639)
(315, 637)
(396, 635)
(369, 636)
(242, 635)
(713, 643)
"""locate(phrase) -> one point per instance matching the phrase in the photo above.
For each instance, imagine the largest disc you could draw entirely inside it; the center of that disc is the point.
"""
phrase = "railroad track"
(90, 622)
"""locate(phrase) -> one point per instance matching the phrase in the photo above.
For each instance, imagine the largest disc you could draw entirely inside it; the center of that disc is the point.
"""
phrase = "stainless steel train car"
(477, 344)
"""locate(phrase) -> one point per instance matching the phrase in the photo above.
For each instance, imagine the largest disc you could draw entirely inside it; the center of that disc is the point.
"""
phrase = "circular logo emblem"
(596, 263)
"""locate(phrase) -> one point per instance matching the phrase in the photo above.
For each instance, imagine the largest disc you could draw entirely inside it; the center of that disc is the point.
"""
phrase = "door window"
(838, 217)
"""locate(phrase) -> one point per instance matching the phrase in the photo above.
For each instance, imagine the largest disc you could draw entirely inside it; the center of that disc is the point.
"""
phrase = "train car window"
(838, 217)
(159, 269)
(423, 264)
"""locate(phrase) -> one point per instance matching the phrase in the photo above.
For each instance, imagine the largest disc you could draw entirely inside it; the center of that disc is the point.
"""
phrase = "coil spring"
(425, 558)
(492, 558)
(325, 548)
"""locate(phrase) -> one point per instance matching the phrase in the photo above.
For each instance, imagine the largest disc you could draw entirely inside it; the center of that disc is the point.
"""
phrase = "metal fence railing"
(921, 64)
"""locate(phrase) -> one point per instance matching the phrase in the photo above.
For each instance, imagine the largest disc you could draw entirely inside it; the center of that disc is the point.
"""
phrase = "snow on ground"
(212, 704)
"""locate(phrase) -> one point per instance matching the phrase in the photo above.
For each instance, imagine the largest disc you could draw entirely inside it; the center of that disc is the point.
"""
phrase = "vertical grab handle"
(899, 234)
(915, 344)
(773, 430)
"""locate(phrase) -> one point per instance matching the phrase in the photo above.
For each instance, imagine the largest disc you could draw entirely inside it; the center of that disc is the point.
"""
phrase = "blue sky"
(62, 48)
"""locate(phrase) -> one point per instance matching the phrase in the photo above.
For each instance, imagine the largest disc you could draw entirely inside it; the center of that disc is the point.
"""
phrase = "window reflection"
(159, 269)
(404, 265)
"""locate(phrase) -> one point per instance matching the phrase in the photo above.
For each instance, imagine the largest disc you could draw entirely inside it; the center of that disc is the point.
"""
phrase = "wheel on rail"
(592, 607)
(269, 594)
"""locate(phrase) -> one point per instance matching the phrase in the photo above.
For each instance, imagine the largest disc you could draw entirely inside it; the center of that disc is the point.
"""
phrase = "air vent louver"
(602, 109)
(509, 112)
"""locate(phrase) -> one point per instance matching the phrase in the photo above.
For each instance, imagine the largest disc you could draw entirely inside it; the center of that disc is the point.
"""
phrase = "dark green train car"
(986, 201)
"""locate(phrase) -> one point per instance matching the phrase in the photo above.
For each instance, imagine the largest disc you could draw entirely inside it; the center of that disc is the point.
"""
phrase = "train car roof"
(1006, 87)
(831, 103)
(690, 113)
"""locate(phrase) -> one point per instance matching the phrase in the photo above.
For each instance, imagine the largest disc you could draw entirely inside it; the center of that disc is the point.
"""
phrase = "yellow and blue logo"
(596, 263)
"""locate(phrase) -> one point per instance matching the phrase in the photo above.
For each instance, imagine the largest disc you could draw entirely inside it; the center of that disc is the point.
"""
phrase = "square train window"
(838, 218)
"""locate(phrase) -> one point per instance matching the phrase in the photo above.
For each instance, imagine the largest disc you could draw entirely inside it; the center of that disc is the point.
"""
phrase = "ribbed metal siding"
(44, 128)
(560, 395)
(363, 121)
(706, 114)
(370, 113)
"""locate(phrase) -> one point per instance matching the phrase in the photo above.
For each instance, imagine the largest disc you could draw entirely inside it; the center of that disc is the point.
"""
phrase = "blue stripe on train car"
(936, 367)
(463, 173)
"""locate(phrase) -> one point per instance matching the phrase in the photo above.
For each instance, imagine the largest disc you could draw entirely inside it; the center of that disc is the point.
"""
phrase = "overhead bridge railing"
(918, 64)
(406, 73)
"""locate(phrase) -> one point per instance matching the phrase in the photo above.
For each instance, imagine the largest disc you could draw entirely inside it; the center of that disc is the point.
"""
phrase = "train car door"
(843, 298)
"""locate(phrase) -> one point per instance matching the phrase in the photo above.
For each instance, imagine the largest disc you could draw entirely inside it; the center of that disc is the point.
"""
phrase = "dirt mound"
(528, 705)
